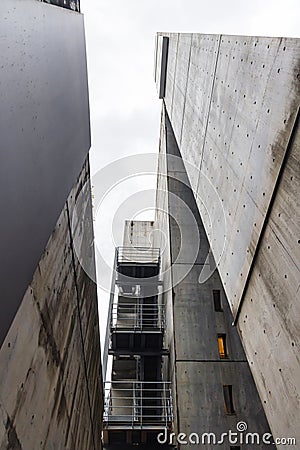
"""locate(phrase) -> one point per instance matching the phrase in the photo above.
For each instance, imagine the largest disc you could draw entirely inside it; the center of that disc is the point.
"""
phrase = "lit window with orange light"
(222, 345)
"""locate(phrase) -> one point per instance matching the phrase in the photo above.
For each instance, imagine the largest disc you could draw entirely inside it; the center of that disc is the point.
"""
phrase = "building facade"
(178, 377)
(50, 383)
(232, 103)
(211, 379)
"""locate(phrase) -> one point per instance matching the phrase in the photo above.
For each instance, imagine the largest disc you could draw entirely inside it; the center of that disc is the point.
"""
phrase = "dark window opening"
(228, 400)
(163, 66)
(222, 346)
(237, 447)
(217, 300)
(74, 5)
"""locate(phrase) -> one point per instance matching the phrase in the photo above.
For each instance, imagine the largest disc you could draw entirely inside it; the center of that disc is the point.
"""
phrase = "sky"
(125, 109)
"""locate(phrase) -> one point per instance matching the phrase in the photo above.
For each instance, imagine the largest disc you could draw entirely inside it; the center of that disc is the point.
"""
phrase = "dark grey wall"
(44, 134)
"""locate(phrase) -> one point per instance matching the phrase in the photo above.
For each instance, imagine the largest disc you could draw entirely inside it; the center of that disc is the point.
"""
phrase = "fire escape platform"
(134, 436)
(141, 341)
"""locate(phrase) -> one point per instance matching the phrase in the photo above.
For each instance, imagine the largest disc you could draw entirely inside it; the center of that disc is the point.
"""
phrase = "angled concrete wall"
(269, 321)
(233, 102)
(51, 386)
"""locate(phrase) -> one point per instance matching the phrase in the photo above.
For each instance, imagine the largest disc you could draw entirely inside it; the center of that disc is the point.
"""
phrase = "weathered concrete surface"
(233, 102)
(138, 233)
(272, 301)
(51, 387)
(197, 372)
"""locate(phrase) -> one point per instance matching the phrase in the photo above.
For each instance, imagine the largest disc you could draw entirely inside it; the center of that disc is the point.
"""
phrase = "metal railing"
(138, 255)
(134, 314)
(138, 403)
(74, 5)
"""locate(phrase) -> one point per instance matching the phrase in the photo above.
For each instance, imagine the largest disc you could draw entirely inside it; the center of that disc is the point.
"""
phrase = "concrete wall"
(222, 96)
(51, 387)
(45, 134)
(233, 102)
(272, 301)
(138, 233)
(195, 367)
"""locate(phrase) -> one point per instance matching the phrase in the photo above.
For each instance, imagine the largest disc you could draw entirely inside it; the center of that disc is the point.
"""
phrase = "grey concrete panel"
(251, 135)
(44, 130)
(162, 221)
(180, 84)
(203, 58)
(80, 213)
(270, 315)
(138, 233)
(197, 324)
(194, 380)
(189, 243)
(287, 202)
(3, 422)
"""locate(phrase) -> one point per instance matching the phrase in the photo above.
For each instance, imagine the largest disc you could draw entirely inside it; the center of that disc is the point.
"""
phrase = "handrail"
(138, 402)
(137, 315)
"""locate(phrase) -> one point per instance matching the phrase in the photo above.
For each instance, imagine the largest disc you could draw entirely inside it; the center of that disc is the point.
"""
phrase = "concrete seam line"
(80, 324)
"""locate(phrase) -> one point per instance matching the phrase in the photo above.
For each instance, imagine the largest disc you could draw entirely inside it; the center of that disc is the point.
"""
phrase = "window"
(217, 300)
(222, 346)
(228, 401)
(237, 447)
(69, 4)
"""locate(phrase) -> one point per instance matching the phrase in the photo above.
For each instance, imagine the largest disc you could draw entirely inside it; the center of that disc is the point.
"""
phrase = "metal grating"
(138, 255)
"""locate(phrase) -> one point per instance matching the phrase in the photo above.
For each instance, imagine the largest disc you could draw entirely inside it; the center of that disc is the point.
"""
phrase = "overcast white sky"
(125, 110)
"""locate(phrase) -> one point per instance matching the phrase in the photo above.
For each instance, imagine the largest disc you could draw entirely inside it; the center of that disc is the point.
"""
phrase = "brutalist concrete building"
(177, 362)
(50, 383)
(204, 300)
(231, 109)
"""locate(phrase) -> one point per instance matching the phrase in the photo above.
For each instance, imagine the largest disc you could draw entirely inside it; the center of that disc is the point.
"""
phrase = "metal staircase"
(138, 402)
